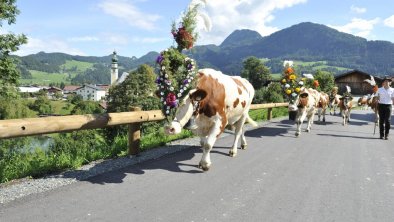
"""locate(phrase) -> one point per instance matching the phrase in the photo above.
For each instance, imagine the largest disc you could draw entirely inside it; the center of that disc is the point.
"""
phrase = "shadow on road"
(267, 131)
(169, 162)
(349, 136)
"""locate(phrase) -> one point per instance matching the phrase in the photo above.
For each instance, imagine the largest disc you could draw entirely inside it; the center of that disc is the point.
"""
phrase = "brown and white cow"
(305, 104)
(333, 102)
(363, 102)
(345, 106)
(322, 106)
(373, 102)
(218, 100)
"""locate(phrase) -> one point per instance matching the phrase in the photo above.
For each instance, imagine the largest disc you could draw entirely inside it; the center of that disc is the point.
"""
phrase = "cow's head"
(186, 112)
(346, 102)
(300, 101)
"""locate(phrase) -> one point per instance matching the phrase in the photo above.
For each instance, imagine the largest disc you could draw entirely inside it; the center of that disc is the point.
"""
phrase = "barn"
(355, 79)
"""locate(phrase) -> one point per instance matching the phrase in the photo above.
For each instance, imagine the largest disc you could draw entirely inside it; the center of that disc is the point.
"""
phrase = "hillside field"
(68, 71)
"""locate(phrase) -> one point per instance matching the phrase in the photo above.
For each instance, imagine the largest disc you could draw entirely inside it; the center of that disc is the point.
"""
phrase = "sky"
(136, 27)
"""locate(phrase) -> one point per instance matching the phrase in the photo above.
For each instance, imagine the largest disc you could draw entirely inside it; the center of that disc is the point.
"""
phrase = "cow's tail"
(251, 121)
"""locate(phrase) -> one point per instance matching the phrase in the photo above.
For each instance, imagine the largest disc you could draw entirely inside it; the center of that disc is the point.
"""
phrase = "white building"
(29, 89)
(91, 92)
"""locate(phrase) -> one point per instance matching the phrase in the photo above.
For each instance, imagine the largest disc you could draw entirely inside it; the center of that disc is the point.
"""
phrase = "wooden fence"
(12, 128)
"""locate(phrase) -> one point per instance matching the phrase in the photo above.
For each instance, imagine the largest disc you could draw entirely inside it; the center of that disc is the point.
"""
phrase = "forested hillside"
(61, 67)
(305, 42)
(314, 45)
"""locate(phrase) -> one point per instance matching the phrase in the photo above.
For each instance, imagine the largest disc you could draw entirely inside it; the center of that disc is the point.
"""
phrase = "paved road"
(334, 173)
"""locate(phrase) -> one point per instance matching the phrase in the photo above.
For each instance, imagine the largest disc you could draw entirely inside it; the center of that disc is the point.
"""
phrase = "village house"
(355, 79)
(70, 89)
(52, 90)
(91, 92)
(29, 89)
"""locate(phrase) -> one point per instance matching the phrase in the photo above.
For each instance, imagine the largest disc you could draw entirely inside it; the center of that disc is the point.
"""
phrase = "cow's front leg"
(310, 121)
(343, 117)
(203, 141)
(319, 114)
(238, 132)
(205, 162)
(244, 145)
(300, 119)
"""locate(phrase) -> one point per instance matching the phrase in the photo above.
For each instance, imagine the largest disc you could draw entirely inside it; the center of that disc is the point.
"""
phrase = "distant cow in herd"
(323, 105)
(345, 106)
(333, 102)
(369, 101)
(306, 105)
(218, 100)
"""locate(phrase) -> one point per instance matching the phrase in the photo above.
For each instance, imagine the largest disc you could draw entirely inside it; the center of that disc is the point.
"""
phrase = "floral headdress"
(291, 84)
(184, 35)
(176, 70)
(176, 75)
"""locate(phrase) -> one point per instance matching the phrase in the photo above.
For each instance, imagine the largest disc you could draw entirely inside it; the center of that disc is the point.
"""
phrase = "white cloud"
(126, 11)
(227, 16)
(357, 10)
(389, 21)
(83, 39)
(115, 39)
(149, 40)
(357, 26)
(48, 45)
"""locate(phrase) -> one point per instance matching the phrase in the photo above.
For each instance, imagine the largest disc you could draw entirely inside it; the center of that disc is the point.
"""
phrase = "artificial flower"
(171, 100)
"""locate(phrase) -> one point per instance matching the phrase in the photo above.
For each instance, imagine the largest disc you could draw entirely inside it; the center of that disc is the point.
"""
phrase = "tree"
(87, 107)
(75, 99)
(326, 80)
(256, 72)
(58, 95)
(136, 90)
(9, 43)
(42, 105)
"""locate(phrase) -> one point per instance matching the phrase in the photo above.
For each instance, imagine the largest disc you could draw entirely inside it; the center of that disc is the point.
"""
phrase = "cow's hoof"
(204, 167)
(232, 153)
(244, 146)
(297, 134)
(307, 130)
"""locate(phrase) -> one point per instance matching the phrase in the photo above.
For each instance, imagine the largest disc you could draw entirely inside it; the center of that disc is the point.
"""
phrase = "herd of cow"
(220, 100)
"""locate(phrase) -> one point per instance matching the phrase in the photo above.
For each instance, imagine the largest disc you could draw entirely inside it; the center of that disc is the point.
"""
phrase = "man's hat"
(387, 78)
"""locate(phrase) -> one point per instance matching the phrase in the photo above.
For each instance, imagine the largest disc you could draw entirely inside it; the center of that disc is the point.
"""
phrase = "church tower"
(114, 68)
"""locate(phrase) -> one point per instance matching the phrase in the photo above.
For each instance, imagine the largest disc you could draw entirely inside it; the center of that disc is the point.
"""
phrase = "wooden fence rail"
(12, 128)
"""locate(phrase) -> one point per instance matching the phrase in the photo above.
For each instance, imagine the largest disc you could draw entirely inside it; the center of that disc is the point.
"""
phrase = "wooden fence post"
(134, 135)
(269, 113)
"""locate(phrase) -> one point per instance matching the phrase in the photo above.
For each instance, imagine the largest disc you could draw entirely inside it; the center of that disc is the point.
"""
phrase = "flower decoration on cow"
(176, 70)
(184, 35)
(291, 84)
(176, 75)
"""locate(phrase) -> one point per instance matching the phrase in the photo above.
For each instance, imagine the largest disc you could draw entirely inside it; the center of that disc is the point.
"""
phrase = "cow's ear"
(198, 95)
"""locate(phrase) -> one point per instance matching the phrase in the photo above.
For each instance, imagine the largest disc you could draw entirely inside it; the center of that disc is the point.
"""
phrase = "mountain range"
(306, 42)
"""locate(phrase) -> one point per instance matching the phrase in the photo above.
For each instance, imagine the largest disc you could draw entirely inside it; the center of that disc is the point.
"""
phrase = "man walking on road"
(386, 96)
